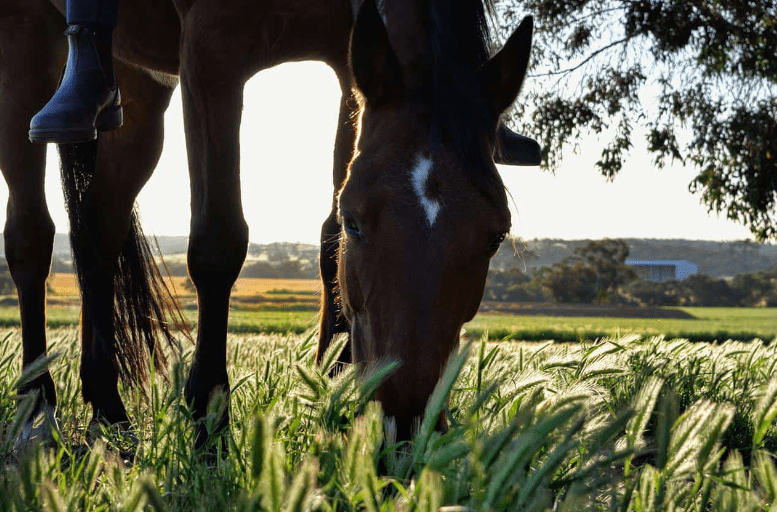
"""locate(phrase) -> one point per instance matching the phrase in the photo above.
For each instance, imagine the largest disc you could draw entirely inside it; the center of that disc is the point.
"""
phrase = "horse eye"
(350, 225)
(495, 243)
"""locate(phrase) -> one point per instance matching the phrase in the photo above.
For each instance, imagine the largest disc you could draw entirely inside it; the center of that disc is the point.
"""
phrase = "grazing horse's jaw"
(419, 177)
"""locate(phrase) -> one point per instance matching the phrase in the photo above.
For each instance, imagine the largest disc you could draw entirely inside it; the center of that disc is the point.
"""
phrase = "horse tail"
(143, 309)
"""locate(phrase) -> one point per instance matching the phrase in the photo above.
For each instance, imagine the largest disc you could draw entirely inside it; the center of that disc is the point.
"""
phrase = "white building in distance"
(662, 270)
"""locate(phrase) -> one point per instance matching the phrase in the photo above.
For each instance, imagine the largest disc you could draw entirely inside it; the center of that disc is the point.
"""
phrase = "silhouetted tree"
(706, 68)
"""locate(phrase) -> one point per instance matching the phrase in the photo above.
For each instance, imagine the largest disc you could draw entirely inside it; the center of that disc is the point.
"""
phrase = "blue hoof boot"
(88, 98)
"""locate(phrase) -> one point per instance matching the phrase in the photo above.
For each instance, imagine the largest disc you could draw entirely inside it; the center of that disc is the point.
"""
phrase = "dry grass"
(63, 284)
(66, 285)
(256, 286)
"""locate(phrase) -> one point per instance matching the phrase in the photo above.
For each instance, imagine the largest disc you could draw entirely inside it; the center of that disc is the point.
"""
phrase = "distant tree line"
(7, 286)
(597, 274)
(752, 289)
(594, 274)
(282, 269)
(60, 266)
(714, 258)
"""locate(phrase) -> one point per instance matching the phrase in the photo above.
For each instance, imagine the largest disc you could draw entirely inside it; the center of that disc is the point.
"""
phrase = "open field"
(628, 424)
(297, 313)
(706, 324)
(291, 305)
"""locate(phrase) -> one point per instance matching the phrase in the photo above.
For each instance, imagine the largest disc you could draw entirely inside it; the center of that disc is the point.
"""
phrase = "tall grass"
(620, 424)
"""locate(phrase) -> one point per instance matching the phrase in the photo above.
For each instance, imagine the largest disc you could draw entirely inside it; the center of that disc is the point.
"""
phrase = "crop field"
(285, 312)
(632, 424)
(707, 324)
(290, 306)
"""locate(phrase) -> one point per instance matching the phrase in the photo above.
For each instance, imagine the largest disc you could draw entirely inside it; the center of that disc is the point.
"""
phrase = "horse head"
(422, 209)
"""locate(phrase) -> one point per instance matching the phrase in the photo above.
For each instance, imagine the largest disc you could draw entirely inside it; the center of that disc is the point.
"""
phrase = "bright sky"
(289, 119)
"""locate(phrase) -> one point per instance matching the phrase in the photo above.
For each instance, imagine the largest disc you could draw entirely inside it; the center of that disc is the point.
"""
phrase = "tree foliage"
(513, 285)
(593, 273)
(757, 289)
(570, 282)
(698, 78)
(282, 269)
(7, 286)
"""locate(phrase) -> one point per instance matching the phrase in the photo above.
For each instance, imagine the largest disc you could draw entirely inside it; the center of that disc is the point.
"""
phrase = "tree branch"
(584, 61)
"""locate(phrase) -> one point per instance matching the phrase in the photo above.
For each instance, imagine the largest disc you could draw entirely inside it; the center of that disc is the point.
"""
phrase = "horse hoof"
(118, 436)
(39, 429)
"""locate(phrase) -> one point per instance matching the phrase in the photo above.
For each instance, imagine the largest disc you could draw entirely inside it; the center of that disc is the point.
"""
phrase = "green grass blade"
(765, 412)
(437, 401)
(643, 404)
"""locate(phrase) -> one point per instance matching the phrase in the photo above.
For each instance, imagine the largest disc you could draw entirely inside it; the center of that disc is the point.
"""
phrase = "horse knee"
(217, 250)
(29, 257)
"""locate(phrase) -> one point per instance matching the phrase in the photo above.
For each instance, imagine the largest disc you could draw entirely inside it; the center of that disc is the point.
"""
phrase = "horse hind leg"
(28, 75)
(120, 285)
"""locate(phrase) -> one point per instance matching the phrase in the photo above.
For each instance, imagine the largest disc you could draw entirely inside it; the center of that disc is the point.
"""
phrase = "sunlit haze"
(288, 128)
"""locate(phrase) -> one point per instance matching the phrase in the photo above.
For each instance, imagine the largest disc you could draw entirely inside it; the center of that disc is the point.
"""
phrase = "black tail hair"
(143, 307)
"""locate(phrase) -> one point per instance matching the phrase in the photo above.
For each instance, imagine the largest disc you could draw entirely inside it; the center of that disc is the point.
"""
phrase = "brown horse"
(418, 208)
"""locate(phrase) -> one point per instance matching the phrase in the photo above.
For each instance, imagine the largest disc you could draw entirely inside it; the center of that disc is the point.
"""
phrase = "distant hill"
(178, 244)
(168, 245)
(717, 259)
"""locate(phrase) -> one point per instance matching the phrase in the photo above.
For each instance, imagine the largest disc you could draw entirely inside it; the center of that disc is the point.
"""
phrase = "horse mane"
(458, 34)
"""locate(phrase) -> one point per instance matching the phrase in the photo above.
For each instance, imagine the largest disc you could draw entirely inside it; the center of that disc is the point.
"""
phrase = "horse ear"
(514, 149)
(375, 67)
(503, 74)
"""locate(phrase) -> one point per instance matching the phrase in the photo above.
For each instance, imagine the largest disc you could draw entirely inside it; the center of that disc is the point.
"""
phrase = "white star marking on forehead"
(420, 175)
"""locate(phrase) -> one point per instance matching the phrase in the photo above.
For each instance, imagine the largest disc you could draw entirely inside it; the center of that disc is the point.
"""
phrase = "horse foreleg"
(113, 347)
(331, 321)
(29, 37)
(218, 240)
